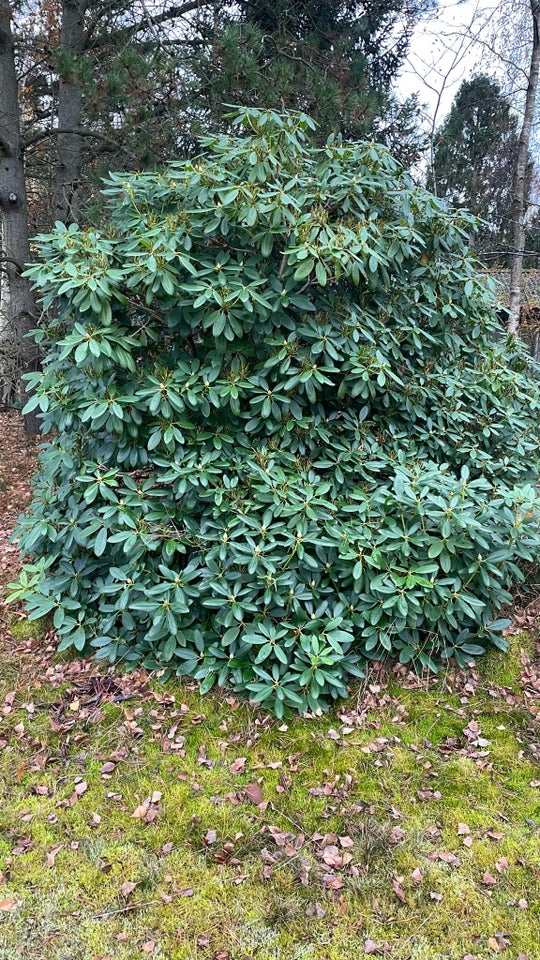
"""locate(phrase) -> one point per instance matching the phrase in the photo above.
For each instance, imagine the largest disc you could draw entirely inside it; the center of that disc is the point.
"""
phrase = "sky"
(446, 48)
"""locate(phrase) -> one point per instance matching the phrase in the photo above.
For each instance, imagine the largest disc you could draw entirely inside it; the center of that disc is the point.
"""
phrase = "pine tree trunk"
(520, 177)
(17, 308)
(69, 144)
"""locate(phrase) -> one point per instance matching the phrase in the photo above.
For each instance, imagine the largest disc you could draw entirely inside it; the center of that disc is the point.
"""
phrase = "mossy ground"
(400, 782)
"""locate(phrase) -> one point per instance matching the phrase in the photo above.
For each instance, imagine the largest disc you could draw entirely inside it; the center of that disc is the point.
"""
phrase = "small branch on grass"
(108, 913)
(126, 909)
(297, 826)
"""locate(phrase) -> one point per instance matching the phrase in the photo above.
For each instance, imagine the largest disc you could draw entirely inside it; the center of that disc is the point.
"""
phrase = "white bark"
(519, 198)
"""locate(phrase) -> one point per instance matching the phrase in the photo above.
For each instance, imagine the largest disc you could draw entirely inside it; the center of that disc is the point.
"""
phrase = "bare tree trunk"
(520, 177)
(69, 144)
(18, 311)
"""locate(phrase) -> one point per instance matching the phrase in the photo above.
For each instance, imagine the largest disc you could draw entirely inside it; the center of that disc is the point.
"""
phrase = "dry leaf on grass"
(7, 905)
(127, 888)
(238, 765)
(254, 793)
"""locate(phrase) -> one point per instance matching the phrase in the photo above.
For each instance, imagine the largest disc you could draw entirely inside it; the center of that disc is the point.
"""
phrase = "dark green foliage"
(336, 60)
(373, 36)
(148, 84)
(474, 160)
(285, 437)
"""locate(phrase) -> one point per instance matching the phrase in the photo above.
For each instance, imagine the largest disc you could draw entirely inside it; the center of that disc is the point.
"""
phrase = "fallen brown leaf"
(331, 856)
(238, 765)
(254, 793)
(332, 882)
(398, 889)
(127, 888)
(397, 834)
(8, 904)
(371, 947)
(51, 855)
(140, 812)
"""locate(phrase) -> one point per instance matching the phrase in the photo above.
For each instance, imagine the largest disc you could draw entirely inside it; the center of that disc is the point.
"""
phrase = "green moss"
(498, 668)
(29, 629)
(193, 902)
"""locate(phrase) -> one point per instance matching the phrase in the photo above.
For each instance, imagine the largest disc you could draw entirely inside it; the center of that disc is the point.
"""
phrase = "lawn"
(141, 819)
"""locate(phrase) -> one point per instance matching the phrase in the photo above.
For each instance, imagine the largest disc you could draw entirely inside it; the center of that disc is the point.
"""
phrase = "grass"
(203, 872)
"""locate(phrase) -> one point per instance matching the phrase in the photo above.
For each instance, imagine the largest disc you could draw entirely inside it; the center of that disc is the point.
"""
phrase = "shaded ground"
(138, 819)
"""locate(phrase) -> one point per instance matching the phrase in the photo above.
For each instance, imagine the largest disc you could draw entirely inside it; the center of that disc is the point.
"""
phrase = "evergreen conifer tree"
(474, 160)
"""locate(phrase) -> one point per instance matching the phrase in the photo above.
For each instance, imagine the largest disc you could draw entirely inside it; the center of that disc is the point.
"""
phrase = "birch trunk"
(17, 309)
(519, 199)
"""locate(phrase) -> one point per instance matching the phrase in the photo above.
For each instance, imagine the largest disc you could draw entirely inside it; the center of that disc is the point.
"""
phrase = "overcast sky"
(446, 49)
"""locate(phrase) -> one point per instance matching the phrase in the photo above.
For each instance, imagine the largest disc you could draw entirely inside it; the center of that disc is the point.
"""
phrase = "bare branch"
(176, 12)
(58, 131)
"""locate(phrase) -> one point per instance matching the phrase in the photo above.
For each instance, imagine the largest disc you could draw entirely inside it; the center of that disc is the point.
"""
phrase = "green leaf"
(304, 269)
(208, 683)
(435, 549)
(496, 626)
(100, 542)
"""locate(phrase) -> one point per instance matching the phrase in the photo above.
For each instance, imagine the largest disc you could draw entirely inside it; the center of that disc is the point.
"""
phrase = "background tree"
(519, 187)
(474, 159)
(18, 314)
(84, 82)
(337, 59)
(515, 42)
(510, 44)
(99, 85)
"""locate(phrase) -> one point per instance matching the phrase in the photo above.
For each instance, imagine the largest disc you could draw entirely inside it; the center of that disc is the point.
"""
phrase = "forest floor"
(140, 819)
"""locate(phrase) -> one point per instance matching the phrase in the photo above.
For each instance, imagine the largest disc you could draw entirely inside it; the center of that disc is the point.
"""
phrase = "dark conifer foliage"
(474, 161)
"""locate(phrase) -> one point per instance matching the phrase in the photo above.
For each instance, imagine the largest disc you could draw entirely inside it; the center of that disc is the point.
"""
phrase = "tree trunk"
(69, 144)
(520, 177)
(17, 308)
